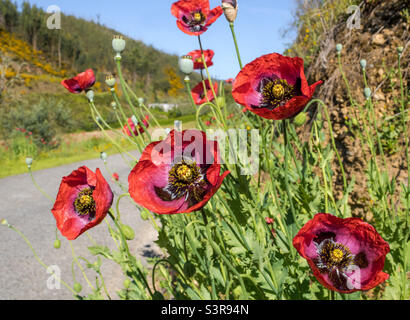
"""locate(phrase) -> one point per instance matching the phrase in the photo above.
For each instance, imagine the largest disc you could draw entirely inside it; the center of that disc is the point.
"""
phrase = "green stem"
(231, 25)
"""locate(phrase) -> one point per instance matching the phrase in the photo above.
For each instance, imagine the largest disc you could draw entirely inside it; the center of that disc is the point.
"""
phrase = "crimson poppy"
(198, 92)
(197, 58)
(177, 175)
(195, 16)
(82, 82)
(273, 87)
(345, 255)
(133, 123)
(83, 201)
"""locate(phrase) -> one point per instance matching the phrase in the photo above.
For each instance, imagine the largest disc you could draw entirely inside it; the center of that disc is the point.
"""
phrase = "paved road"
(21, 277)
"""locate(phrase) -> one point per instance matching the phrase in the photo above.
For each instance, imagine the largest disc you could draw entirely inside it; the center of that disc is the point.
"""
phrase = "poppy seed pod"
(118, 44)
(230, 8)
(104, 156)
(363, 63)
(110, 81)
(367, 93)
(29, 162)
(186, 64)
(90, 95)
(339, 47)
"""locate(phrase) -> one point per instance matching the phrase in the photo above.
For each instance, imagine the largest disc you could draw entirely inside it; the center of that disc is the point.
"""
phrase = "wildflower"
(345, 255)
(273, 87)
(177, 175)
(199, 95)
(230, 8)
(186, 64)
(194, 16)
(115, 176)
(197, 58)
(82, 82)
(136, 127)
(83, 201)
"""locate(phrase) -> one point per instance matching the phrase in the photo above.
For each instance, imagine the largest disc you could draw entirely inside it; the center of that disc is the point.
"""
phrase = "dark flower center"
(275, 93)
(195, 21)
(84, 204)
(334, 256)
(184, 179)
(337, 261)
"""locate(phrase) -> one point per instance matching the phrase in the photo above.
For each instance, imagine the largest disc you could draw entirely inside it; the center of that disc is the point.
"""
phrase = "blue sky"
(258, 27)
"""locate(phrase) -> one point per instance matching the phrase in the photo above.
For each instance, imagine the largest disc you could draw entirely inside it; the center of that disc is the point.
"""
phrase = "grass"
(74, 148)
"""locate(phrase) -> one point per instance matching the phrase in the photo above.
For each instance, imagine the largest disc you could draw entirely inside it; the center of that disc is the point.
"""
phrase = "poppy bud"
(300, 119)
(363, 64)
(110, 81)
(129, 234)
(4, 222)
(221, 101)
(29, 162)
(144, 215)
(157, 296)
(77, 287)
(189, 269)
(114, 105)
(186, 64)
(57, 244)
(140, 101)
(367, 93)
(90, 95)
(339, 48)
(103, 156)
(118, 44)
(269, 220)
(400, 50)
(230, 8)
(127, 283)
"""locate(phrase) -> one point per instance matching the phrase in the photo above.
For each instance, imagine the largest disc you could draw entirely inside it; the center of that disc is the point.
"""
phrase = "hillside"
(43, 57)
(384, 28)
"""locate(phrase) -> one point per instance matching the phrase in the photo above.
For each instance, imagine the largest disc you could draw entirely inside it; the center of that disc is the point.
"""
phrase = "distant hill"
(45, 56)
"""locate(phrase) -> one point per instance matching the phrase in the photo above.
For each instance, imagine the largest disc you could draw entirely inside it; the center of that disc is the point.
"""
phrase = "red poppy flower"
(195, 16)
(273, 87)
(82, 202)
(208, 123)
(198, 93)
(133, 123)
(269, 220)
(177, 175)
(83, 81)
(345, 255)
(197, 58)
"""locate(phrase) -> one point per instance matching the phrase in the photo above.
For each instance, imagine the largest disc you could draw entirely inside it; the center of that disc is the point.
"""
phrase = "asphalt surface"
(21, 276)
